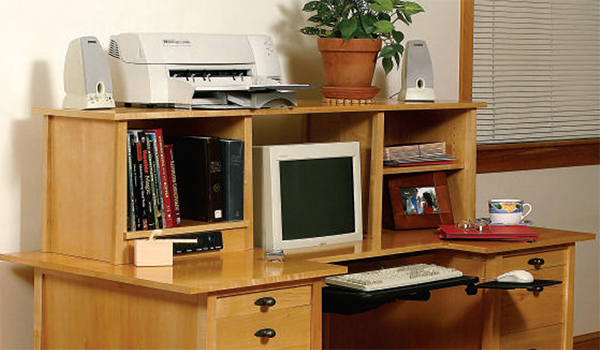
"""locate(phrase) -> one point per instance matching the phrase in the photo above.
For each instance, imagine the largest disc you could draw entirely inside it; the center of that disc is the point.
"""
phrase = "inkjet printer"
(198, 71)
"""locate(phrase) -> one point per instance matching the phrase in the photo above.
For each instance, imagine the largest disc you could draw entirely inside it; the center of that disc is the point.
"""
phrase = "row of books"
(151, 183)
(186, 177)
(416, 154)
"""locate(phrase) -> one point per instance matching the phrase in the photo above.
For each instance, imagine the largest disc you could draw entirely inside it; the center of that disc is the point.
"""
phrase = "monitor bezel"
(272, 156)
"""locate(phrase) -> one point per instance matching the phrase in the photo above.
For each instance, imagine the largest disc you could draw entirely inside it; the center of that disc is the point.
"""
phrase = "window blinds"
(537, 65)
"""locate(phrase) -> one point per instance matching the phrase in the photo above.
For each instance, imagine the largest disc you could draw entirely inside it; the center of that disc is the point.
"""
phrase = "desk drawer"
(521, 309)
(539, 338)
(243, 304)
(291, 328)
(526, 262)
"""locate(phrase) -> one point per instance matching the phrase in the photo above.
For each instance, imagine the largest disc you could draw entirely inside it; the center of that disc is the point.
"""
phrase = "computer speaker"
(417, 73)
(87, 79)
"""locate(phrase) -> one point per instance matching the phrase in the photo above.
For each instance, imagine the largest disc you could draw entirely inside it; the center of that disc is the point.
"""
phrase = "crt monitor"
(307, 194)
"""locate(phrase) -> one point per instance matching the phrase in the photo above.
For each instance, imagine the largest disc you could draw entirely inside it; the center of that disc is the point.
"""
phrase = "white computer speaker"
(86, 76)
(417, 73)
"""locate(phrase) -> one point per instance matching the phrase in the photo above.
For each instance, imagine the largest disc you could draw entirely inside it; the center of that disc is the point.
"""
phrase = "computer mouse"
(516, 276)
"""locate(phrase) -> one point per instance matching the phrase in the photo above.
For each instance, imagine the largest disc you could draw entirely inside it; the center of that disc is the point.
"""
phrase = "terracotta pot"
(350, 63)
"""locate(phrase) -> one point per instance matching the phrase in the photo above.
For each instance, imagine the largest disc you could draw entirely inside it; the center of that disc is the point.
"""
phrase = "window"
(537, 65)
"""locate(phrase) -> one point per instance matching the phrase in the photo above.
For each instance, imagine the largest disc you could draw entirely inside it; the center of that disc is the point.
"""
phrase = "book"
(138, 181)
(131, 210)
(163, 187)
(502, 233)
(172, 184)
(154, 181)
(146, 181)
(199, 177)
(232, 156)
(410, 151)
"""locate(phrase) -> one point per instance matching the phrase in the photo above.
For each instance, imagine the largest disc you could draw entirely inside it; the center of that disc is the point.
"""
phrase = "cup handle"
(528, 212)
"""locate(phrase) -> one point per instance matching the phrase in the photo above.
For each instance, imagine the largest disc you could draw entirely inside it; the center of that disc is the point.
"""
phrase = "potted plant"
(353, 34)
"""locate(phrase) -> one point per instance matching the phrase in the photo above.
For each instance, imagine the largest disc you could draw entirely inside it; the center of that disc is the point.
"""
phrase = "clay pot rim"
(356, 45)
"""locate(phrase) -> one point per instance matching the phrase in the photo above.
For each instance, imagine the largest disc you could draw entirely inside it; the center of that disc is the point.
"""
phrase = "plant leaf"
(398, 36)
(397, 59)
(347, 27)
(387, 51)
(387, 64)
(382, 6)
(384, 27)
(368, 24)
(311, 6)
(412, 8)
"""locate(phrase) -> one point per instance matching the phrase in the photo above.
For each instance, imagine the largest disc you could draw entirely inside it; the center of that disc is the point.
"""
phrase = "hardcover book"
(163, 185)
(154, 180)
(232, 156)
(199, 177)
(146, 181)
(172, 185)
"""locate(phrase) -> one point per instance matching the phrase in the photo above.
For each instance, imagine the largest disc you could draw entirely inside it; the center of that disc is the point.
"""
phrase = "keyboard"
(393, 277)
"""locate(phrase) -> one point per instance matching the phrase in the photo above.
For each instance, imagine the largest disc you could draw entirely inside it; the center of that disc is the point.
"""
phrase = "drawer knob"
(266, 301)
(536, 261)
(535, 289)
(265, 333)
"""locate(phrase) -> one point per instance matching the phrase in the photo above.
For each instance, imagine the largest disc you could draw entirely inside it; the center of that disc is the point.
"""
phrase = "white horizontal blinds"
(537, 65)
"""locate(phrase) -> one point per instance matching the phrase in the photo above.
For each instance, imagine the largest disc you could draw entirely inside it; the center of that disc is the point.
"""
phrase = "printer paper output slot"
(207, 74)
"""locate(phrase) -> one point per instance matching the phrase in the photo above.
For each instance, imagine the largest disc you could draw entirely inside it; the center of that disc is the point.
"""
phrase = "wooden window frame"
(517, 156)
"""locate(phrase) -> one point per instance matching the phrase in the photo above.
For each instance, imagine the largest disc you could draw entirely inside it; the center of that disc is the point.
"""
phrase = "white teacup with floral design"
(508, 211)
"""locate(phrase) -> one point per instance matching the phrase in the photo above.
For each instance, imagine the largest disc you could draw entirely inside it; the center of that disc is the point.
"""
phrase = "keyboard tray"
(346, 301)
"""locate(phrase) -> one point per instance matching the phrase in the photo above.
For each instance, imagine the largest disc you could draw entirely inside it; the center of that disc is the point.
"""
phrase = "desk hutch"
(88, 294)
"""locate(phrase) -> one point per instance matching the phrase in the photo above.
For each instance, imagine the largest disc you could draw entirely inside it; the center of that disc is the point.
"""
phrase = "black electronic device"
(207, 241)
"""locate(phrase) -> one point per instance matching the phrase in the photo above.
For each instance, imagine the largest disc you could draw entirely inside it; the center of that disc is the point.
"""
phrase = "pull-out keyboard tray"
(345, 301)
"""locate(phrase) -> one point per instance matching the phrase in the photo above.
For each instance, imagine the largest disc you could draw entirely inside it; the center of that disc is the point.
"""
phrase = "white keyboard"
(393, 277)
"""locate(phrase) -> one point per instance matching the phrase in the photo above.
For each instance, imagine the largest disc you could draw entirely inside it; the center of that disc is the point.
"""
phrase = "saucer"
(353, 93)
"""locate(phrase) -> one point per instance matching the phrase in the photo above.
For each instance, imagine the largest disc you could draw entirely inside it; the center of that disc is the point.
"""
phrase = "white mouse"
(516, 276)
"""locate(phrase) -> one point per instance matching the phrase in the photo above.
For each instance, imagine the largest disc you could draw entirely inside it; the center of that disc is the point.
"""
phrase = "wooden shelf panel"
(304, 107)
(421, 168)
(189, 226)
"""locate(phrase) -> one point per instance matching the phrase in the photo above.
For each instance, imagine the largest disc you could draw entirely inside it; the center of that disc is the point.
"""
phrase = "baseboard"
(586, 340)
(586, 337)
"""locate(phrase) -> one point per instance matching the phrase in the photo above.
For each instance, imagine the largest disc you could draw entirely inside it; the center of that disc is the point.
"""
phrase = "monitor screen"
(317, 197)
(307, 195)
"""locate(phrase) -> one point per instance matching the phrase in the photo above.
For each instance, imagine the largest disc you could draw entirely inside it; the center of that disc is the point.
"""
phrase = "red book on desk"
(504, 233)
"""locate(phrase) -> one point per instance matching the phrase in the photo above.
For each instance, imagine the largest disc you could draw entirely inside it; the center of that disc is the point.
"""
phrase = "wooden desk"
(208, 302)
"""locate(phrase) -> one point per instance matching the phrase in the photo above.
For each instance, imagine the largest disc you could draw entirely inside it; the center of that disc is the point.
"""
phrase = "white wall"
(34, 36)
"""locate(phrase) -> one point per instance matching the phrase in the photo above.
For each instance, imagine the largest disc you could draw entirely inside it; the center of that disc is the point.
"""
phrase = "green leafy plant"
(356, 19)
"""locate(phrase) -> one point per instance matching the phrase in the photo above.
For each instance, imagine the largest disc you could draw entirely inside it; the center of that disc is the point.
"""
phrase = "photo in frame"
(419, 200)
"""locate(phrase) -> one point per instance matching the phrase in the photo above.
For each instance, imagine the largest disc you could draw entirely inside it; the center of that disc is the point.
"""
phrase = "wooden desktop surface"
(226, 271)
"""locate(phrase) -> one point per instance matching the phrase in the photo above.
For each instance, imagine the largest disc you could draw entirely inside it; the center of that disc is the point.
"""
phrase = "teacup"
(507, 211)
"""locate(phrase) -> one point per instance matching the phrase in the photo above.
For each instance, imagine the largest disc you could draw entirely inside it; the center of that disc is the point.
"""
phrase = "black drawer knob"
(536, 261)
(266, 301)
(535, 289)
(265, 333)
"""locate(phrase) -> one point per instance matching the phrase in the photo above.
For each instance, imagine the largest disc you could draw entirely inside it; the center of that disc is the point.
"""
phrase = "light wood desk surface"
(234, 270)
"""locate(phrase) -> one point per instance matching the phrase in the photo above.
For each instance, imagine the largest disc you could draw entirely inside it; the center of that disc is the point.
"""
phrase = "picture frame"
(419, 200)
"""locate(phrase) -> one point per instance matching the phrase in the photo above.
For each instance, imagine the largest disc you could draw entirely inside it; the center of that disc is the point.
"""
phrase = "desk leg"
(491, 307)
(37, 308)
(567, 336)
(317, 316)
